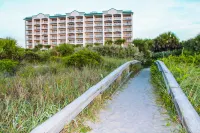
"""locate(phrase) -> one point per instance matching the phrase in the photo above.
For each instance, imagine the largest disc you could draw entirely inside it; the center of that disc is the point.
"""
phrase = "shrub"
(31, 56)
(7, 65)
(193, 44)
(65, 49)
(82, 58)
(166, 54)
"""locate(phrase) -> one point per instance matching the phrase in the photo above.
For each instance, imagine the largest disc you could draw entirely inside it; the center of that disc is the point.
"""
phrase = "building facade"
(79, 28)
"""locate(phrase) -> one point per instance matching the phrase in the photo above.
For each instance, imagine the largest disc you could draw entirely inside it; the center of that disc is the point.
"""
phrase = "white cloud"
(150, 17)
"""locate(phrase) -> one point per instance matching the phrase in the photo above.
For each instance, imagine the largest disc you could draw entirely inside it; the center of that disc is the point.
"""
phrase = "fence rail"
(57, 122)
(186, 112)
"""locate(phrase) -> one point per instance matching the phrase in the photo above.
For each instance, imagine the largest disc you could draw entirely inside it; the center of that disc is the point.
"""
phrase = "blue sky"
(151, 17)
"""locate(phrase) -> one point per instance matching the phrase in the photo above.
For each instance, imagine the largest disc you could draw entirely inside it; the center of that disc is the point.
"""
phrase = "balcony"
(37, 33)
(127, 23)
(98, 19)
(45, 33)
(36, 23)
(70, 26)
(71, 20)
(98, 24)
(79, 20)
(29, 28)
(44, 27)
(71, 42)
(62, 37)
(89, 41)
(117, 24)
(79, 31)
(53, 22)
(89, 36)
(37, 38)
(71, 36)
(53, 32)
(88, 30)
(89, 25)
(29, 33)
(37, 28)
(54, 27)
(79, 41)
(127, 18)
(62, 21)
(98, 36)
(44, 22)
(108, 30)
(110, 18)
(79, 36)
(117, 35)
(55, 43)
(71, 31)
(108, 24)
(62, 27)
(29, 44)
(128, 40)
(108, 35)
(128, 35)
(98, 30)
(45, 38)
(28, 39)
(62, 32)
(117, 18)
(53, 38)
(29, 23)
(128, 29)
(98, 41)
(117, 30)
(79, 25)
(89, 19)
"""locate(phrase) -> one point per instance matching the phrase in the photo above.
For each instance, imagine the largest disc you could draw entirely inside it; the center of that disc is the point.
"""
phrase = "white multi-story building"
(78, 28)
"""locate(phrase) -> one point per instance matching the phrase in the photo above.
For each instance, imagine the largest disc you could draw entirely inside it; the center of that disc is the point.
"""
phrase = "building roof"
(84, 14)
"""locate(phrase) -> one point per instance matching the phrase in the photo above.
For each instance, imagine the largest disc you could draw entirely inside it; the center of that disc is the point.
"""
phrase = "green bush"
(65, 49)
(83, 58)
(193, 44)
(7, 65)
(31, 56)
(166, 54)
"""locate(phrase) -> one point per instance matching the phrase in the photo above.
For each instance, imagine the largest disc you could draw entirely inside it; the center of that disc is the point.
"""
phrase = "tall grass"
(38, 91)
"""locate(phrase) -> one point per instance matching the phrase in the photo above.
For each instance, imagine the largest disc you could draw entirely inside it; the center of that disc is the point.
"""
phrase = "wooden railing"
(187, 114)
(57, 122)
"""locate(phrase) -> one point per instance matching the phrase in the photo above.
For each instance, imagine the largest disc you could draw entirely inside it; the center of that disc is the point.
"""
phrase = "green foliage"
(97, 44)
(83, 58)
(143, 44)
(166, 54)
(193, 44)
(116, 51)
(7, 65)
(47, 46)
(10, 50)
(64, 49)
(119, 41)
(89, 45)
(108, 42)
(165, 42)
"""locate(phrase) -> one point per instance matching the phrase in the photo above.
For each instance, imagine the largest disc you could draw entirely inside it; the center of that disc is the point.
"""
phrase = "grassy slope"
(38, 91)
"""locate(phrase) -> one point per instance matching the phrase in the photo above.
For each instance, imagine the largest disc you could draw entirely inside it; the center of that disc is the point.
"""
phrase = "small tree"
(119, 41)
(47, 46)
(108, 42)
(65, 49)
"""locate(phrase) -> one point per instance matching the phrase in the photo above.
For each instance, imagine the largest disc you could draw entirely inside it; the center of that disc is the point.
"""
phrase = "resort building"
(79, 28)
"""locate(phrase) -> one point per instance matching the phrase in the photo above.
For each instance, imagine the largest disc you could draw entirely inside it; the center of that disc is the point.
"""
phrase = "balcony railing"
(62, 32)
(71, 20)
(53, 38)
(127, 18)
(37, 33)
(117, 18)
(98, 35)
(117, 30)
(79, 31)
(98, 41)
(98, 19)
(29, 33)
(89, 19)
(98, 30)
(108, 35)
(89, 31)
(45, 38)
(37, 38)
(37, 28)
(117, 35)
(71, 31)
(71, 42)
(62, 37)
(54, 43)
(116, 24)
(98, 24)
(108, 30)
(44, 22)
(29, 44)
(127, 24)
(53, 32)
(62, 26)
(79, 25)
(89, 25)
(62, 21)
(129, 29)
(108, 18)
(28, 38)
(70, 26)
(79, 41)
(89, 36)
(71, 36)
(29, 23)
(128, 35)
(44, 27)
(54, 27)
(53, 21)
(128, 40)
(36, 22)
(29, 28)
(44, 32)
(108, 24)
(79, 20)
(79, 36)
